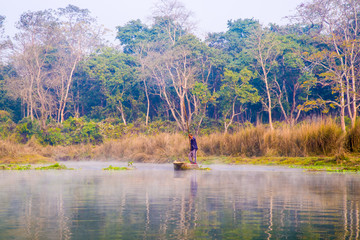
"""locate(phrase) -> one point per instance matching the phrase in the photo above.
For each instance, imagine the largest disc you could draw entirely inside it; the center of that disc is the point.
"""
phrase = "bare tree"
(173, 18)
(80, 36)
(32, 59)
(49, 46)
(5, 42)
(173, 72)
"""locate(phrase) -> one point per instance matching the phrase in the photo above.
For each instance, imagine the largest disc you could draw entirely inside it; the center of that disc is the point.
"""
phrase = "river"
(156, 202)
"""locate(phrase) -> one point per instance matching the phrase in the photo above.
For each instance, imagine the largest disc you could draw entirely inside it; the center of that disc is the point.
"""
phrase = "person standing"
(193, 149)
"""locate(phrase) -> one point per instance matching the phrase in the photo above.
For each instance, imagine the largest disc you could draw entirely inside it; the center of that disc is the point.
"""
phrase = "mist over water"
(156, 202)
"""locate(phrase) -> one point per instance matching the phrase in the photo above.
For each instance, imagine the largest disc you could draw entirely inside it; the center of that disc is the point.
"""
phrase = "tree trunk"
(121, 109)
(148, 103)
(354, 97)
(68, 85)
(269, 102)
(342, 108)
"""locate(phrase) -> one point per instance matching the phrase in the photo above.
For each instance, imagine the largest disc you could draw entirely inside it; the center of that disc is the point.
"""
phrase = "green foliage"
(132, 34)
(4, 116)
(7, 126)
(117, 74)
(201, 91)
(238, 85)
(52, 136)
(90, 132)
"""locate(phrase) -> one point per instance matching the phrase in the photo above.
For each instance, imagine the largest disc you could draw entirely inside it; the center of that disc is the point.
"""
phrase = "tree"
(295, 80)
(236, 91)
(117, 74)
(80, 37)
(49, 46)
(172, 19)
(174, 76)
(32, 61)
(137, 39)
(264, 47)
(234, 40)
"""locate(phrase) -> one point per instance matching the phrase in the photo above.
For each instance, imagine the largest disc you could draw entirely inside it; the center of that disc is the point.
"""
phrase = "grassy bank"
(314, 142)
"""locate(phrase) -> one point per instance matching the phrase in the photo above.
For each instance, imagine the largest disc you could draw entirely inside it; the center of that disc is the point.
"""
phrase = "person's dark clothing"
(193, 144)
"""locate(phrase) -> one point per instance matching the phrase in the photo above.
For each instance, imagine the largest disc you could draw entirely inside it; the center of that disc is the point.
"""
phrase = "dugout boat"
(185, 166)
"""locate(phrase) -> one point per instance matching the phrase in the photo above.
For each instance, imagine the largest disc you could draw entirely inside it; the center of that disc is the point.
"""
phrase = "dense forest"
(58, 73)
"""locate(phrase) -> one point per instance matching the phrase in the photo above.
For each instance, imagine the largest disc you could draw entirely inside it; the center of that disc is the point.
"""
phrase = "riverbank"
(308, 144)
(331, 164)
(340, 163)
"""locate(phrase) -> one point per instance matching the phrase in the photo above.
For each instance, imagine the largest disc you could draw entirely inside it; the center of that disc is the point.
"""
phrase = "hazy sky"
(210, 15)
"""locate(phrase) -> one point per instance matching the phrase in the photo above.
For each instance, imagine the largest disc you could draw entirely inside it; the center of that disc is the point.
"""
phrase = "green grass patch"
(55, 166)
(111, 168)
(14, 167)
(330, 168)
(338, 163)
(204, 168)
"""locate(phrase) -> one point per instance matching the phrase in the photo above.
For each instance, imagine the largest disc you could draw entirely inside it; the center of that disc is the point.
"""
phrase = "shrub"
(4, 116)
(90, 133)
(25, 130)
(51, 136)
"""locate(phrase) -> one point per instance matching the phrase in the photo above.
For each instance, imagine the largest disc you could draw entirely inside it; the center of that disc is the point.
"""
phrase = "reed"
(352, 141)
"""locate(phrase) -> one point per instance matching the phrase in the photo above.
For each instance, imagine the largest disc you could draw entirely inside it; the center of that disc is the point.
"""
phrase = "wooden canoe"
(185, 166)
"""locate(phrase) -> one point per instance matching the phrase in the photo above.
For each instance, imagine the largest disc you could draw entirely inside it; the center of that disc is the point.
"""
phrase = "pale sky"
(210, 15)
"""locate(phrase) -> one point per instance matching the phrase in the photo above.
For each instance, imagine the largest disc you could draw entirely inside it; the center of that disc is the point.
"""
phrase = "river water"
(156, 202)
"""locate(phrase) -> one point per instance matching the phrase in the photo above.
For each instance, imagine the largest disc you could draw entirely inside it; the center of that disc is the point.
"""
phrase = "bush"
(90, 133)
(51, 136)
(4, 116)
(26, 129)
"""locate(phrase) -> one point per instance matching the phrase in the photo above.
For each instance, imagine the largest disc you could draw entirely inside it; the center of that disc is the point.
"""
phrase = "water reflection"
(154, 202)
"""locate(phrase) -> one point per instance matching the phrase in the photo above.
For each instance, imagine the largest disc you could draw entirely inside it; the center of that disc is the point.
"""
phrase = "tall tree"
(295, 80)
(32, 61)
(264, 46)
(80, 37)
(137, 39)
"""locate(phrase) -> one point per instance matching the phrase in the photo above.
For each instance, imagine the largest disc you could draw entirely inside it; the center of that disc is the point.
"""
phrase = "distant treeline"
(58, 69)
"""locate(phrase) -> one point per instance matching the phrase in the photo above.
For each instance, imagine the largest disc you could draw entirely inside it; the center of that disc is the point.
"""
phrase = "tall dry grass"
(160, 148)
(32, 152)
(352, 141)
(311, 138)
(308, 138)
